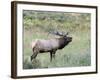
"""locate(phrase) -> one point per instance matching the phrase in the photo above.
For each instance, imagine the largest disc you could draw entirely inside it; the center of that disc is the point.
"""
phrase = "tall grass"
(37, 25)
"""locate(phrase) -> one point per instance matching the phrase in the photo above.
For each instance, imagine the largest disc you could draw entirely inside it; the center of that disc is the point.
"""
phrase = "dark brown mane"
(63, 42)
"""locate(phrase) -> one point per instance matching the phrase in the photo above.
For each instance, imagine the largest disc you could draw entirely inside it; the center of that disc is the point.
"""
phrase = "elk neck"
(62, 43)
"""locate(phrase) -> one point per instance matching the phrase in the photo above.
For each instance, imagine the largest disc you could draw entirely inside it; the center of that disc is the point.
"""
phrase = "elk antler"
(59, 33)
(67, 33)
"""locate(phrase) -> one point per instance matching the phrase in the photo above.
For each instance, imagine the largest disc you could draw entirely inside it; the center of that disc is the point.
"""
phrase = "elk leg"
(34, 55)
(51, 56)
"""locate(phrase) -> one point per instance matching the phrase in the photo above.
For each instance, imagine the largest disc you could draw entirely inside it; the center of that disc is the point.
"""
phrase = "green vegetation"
(37, 25)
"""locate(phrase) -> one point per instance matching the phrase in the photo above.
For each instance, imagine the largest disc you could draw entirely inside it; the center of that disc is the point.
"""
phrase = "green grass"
(76, 54)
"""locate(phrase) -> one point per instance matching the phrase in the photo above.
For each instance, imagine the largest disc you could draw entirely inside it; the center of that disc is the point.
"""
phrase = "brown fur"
(51, 45)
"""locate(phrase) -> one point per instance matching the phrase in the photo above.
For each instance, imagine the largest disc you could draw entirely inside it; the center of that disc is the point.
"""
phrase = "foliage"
(38, 24)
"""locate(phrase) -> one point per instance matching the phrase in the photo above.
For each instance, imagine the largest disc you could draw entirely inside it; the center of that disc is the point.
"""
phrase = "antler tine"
(61, 33)
(67, 33)
(58, 33)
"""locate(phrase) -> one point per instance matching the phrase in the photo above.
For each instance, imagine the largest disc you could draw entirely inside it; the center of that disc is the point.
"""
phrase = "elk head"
(62, 35)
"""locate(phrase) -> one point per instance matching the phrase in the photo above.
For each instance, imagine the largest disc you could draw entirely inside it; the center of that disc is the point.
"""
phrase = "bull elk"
(51, 45)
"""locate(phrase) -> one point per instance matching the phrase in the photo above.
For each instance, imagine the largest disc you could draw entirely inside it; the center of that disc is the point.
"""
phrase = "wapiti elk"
(50, 45)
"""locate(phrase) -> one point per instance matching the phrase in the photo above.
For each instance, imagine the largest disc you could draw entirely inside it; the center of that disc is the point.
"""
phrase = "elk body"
(51, 45)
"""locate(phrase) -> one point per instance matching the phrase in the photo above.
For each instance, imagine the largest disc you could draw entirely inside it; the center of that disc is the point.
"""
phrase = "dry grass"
(77, 53)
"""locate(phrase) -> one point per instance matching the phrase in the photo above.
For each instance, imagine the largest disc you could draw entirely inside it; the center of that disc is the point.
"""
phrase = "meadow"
(38, 24)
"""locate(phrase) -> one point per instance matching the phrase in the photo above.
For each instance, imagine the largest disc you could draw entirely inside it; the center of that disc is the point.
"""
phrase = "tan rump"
(34, 43)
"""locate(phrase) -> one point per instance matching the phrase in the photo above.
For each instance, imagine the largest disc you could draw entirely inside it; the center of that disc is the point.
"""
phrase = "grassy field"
(38, 24)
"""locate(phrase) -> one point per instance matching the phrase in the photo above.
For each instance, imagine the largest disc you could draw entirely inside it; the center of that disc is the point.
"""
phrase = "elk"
(50, 45)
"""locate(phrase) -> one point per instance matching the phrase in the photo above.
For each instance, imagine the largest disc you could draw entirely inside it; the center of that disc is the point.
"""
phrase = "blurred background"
(38, 24)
